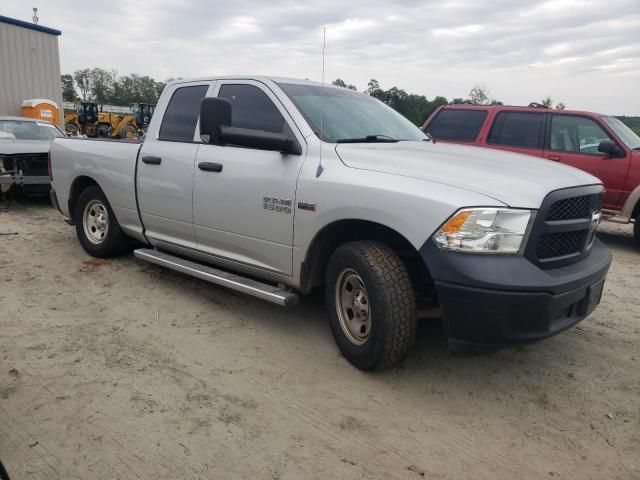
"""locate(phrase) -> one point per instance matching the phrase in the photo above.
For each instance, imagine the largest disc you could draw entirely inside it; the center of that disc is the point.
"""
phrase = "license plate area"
(591, 301)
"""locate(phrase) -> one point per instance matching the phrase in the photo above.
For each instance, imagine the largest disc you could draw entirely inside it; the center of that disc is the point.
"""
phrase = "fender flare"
(631, 203)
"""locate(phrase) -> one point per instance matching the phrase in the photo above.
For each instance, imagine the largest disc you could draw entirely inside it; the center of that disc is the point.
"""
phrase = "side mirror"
(214, 113)
(609, 147)
(216, 129)
(259, 139)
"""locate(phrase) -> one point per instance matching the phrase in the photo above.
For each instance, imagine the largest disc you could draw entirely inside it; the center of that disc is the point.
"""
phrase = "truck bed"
(110, 163)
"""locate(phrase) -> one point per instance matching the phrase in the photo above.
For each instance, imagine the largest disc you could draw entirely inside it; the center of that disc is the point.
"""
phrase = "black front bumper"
(495, 301)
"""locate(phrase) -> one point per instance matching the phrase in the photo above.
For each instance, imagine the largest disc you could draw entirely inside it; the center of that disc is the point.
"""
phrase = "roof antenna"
(324, 45)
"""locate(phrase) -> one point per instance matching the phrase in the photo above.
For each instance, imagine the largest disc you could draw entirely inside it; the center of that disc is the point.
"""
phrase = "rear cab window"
(462, 125)
(517, 129)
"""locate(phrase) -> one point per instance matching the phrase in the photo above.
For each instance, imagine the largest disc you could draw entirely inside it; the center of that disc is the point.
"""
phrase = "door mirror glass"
(610, 148)
(258, 139)
(214, 113)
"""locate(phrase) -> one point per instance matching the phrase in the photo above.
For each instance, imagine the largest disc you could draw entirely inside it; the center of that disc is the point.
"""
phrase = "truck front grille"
(570, 208)
(564, 228)
(28, 164)
(552, 245)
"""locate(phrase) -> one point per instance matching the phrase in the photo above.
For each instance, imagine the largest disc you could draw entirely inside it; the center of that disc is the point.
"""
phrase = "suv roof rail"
(460, 101)
(537, 105)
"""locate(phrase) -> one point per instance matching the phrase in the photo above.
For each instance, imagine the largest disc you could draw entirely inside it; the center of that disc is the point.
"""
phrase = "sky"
(585, 54)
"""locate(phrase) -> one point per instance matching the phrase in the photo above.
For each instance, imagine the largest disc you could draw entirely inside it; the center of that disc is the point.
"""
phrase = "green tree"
(560, 106)
(83, 81)
(101, 82)
(338, 82)
(69, 93)
(416, 108)
(479, 95)
(547, 102)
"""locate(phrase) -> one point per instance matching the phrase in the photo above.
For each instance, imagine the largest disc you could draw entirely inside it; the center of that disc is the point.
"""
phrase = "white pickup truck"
(275, 186)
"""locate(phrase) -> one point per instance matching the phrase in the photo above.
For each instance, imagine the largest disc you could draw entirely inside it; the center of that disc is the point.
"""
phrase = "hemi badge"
(311, 207)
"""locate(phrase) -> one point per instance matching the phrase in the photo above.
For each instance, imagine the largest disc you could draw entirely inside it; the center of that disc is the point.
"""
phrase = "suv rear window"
(517, 129)
(460, 125)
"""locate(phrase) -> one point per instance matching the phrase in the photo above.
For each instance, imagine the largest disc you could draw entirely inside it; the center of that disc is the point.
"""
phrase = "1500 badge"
(277, 204)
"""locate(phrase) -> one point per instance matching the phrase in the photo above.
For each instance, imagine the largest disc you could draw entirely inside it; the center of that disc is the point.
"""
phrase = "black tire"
(636, 229)
(390, 298)
(128, 131)
(113, 242)
(103, 131)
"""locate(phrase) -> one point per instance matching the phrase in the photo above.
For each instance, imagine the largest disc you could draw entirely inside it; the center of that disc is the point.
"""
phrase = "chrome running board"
(264, 291)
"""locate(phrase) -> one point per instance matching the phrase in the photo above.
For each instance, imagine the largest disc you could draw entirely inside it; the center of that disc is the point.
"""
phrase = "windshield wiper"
(429, 138)
(368, 139)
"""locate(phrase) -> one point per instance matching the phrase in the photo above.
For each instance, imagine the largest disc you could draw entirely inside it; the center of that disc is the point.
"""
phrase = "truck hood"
(12, 147)
(513, 179)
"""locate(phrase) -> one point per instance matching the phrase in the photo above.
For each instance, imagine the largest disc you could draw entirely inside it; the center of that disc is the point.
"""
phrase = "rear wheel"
(96, 225)
(371, 304)
(103, 131)
(128, 131)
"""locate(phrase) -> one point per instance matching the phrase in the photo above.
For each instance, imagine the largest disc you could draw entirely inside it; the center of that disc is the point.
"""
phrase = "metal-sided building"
(29, 64)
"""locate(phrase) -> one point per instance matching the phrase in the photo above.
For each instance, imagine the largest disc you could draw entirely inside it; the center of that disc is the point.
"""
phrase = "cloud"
(574, 50)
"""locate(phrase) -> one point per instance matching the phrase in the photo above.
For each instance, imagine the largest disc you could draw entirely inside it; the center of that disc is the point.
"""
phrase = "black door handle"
(210, 166)
(152, 160)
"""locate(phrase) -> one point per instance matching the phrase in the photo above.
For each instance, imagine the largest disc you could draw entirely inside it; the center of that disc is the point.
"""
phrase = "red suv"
(599, 144)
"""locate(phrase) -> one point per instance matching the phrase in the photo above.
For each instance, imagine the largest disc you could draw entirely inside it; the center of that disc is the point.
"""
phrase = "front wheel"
(371, 304)
(636, 229)
(96, 225)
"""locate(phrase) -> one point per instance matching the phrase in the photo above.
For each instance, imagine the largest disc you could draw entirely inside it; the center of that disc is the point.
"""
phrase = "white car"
(24, 147)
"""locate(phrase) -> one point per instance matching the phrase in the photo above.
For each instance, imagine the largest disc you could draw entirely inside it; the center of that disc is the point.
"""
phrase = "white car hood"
(513, 179)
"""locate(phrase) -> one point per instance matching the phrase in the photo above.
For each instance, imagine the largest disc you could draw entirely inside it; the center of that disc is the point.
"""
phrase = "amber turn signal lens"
(456, 222)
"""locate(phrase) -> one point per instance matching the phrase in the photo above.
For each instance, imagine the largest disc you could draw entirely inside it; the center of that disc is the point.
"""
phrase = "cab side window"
(181, 117)
(571, 133)
(252, 108)
(517, 129)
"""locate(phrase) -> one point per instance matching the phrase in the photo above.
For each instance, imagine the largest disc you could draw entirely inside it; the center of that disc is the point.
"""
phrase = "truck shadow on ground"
(619, 241)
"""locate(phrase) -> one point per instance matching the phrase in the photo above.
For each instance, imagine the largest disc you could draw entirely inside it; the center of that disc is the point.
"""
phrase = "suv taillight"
(49, 165)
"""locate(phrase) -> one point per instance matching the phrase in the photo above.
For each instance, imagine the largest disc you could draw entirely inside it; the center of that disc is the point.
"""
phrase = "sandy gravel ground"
(121, 370)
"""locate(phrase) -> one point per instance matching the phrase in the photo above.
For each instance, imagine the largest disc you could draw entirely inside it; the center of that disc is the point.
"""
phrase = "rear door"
(518, 131)
(165, 168)
(574, 139)
(243, 211)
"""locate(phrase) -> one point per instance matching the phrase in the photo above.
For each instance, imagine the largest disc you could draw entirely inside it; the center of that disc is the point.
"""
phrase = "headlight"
(485, 230)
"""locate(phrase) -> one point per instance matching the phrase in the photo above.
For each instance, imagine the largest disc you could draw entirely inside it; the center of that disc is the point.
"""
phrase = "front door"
(573, 140)
(244, 198)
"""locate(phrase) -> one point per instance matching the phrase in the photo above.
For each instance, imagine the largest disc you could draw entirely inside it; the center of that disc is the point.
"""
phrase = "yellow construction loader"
(88, 120)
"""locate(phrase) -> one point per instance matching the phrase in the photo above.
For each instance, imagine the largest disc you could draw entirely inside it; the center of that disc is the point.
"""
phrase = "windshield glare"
(24, 130)
(628, 136)
(345, 114)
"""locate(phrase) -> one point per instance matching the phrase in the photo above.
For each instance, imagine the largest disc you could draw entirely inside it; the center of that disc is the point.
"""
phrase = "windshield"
(348, 115)
(25, 130)
(623, 132)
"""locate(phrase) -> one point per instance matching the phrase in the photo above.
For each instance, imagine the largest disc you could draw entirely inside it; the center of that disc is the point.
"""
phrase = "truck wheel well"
(337, 233)
(78, 186)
